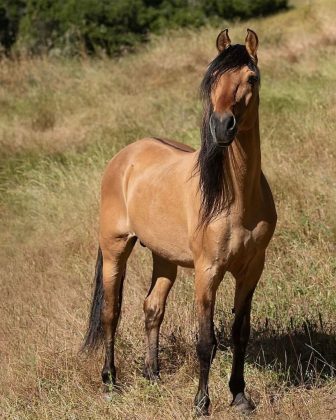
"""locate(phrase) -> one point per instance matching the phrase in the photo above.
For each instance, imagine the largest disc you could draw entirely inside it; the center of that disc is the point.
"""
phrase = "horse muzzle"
(223, 128)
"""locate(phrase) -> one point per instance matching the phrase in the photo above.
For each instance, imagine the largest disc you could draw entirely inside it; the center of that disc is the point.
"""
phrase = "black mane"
(215, 179)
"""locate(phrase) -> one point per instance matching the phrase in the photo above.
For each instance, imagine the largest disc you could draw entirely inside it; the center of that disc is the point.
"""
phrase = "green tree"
(72, 26)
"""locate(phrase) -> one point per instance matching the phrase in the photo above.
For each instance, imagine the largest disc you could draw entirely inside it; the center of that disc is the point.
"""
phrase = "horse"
(209, 209)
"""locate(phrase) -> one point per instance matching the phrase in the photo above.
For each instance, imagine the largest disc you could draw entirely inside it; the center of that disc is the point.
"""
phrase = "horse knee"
(240, 333)
(206, 349)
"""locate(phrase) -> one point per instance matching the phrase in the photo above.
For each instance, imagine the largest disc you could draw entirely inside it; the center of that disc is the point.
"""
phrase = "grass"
(60, 122)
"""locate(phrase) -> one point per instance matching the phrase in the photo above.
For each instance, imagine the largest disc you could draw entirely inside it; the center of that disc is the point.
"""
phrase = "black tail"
(94, 334)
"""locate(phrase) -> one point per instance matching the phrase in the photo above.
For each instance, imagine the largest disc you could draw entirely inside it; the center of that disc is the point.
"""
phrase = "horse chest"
(240, 244)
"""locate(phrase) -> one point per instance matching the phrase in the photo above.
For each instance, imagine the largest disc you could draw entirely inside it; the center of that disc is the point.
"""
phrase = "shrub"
(90, 26)
(243, 9)
(11, 12)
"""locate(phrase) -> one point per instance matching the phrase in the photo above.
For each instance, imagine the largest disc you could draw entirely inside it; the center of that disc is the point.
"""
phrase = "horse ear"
(223, 41)
(251, 43)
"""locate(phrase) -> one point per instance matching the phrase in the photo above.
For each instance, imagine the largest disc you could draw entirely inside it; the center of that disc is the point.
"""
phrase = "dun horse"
(211, 209)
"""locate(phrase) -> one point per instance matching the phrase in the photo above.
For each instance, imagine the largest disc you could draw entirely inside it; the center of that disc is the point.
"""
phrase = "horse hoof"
(108, 390)
(201, 412)
(152, 377)
(242, 404)
(107, 396)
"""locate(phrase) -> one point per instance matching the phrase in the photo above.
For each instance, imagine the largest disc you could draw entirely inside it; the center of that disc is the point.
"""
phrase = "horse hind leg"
(115, 254)
(163, 277)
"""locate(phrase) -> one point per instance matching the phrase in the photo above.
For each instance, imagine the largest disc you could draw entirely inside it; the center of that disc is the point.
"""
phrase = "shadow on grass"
(300, 355)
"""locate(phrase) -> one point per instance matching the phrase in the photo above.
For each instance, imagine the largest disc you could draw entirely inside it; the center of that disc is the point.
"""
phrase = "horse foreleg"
(246, 283)
(206, 286)
(164, 274)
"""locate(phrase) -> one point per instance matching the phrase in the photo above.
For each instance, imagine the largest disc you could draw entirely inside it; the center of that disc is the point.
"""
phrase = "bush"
(243, 9)
(88, 25)
(11, 12)
(74, 26)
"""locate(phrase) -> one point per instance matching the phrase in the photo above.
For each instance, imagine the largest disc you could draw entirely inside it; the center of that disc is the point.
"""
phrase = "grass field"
(60, 122)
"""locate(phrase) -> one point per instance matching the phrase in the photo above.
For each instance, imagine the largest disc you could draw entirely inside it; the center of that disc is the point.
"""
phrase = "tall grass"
(60, 122)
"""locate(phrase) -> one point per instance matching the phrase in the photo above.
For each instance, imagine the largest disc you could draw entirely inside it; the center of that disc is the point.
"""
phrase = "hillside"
(61, 121)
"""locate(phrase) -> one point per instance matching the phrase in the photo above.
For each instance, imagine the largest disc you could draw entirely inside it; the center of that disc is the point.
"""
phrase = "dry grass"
(59, 124)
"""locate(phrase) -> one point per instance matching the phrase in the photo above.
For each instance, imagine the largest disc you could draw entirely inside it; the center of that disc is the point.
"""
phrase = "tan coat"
(153, 190)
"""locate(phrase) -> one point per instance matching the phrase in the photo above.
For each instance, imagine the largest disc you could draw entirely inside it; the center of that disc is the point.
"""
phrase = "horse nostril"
(231, 123)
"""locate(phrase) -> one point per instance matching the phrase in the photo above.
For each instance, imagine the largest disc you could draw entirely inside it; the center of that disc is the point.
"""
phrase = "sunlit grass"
(60, 122)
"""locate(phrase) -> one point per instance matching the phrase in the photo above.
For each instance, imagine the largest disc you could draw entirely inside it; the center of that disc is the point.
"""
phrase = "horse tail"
(94, 334)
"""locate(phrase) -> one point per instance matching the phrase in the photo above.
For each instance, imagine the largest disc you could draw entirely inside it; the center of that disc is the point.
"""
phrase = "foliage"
(70, 27)
(244, 9)
(11, 12)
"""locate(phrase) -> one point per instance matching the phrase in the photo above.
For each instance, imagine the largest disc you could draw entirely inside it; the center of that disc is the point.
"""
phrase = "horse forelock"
(232, 58)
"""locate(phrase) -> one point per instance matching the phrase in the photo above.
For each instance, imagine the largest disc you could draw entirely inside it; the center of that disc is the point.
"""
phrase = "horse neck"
(244, 160)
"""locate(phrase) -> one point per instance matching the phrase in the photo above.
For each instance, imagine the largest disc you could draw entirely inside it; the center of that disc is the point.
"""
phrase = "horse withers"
(211, 209)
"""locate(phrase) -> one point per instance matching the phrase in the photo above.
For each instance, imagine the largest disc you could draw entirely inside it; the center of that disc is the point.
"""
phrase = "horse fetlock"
(202, 403)
(152, 373)
(109, 376)
(237, 386)
(206, 350)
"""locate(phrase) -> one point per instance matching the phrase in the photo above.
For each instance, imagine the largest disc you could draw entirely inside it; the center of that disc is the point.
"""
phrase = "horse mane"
(212, 164)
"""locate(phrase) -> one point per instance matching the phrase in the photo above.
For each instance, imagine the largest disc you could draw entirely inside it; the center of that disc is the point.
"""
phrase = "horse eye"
(252, 80)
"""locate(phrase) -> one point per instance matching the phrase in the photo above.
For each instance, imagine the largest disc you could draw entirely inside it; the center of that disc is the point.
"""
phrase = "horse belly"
(171, 251)
(156, 216)
(163, 238)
